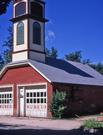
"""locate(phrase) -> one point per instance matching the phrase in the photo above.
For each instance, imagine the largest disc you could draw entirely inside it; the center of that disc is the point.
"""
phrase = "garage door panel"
(36, 103)
(6, 102)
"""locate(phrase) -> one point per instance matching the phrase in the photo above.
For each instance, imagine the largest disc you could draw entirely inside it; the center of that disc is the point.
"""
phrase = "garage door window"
(36, 97)
(5, 98)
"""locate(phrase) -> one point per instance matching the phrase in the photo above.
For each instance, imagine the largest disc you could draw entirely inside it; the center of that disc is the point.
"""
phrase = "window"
(6, 98)
(38, 100)
(41, 100)
(31, 101)
(36, 33)
(34, 94)
(36, 97)
(20, 9)
(37, 9)
(27, 94)
(41, 94)
(37, 94)
(27, 100)
(31, 94)
(20, 33)
(34, 100)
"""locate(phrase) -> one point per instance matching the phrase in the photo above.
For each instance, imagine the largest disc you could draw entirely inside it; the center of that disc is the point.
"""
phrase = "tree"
(1, 62)
(6, 56)
(74, 56)
(86, 61)
(98, 67)
(52, 53)
(77, 57)
(8, 45)
(3, 6)
(47, 51)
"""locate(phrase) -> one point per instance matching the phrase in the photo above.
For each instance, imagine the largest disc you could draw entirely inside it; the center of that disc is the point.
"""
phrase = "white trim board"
(31, 84)
(7, 86)
(39, 72)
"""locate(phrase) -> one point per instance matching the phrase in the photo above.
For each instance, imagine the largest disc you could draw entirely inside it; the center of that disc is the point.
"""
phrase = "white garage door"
(6, 101)
(36, 102)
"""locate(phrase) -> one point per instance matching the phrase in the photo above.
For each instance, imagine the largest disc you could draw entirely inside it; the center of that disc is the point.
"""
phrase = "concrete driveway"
(33, 123)
(32, 126)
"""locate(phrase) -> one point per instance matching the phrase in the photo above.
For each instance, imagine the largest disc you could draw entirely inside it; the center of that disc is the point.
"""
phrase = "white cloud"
(50, 35)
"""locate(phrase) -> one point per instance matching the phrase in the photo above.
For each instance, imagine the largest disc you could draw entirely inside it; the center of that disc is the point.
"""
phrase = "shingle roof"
(62, 71)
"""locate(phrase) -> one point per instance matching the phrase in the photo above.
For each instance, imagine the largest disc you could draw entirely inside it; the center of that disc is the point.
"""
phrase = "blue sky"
(73, 25)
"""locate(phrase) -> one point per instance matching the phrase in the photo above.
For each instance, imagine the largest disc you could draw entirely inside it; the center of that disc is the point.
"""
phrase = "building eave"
(28, 16)
(76, 84)
(40, 72)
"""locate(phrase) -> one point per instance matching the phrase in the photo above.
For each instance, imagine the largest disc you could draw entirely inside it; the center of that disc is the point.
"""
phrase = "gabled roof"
(61, 71)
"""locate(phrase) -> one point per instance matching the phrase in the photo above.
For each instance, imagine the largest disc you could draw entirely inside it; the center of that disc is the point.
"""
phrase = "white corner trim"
(7, 86)
(39, 72)
(31, 84)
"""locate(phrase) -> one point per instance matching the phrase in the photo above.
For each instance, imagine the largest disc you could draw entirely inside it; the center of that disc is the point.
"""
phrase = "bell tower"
(28, 30)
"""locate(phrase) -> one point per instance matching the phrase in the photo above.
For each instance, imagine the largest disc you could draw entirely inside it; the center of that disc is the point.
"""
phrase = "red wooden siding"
(24, 75)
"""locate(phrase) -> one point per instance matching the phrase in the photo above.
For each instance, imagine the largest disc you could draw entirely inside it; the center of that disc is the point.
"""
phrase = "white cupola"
(28, 30)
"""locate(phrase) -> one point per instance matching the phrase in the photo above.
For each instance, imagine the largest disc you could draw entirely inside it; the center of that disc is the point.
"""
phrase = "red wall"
(84, 99)
(24, 75)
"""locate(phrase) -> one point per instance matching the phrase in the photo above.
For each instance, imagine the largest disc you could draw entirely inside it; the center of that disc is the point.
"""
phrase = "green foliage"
(77, 57)
(86, 61)
(6, 55)
(8, 45)
(3, 6)
(92, 123)
(52, 53)
(74, 56)
(1, 62)
(58, 104)
(98, 67)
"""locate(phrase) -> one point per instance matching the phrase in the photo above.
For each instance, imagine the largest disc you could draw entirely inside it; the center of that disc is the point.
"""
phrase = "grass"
(92, 124)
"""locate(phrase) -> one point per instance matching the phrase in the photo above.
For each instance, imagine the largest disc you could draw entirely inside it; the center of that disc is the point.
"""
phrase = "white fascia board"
(3, 70)
(11, 65)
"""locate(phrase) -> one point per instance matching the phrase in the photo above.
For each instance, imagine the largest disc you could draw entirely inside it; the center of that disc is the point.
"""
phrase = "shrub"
(92, 123)
(58, 104)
